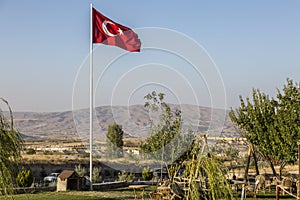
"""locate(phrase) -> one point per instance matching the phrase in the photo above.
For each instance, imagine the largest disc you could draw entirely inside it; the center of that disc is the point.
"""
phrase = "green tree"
(10, 146)
(97, 178)
(114, 141)
(147, 173)
(124, 176)
(24, 178)
(167, 139)
(80, 170)
(272, 125)
(205, 167)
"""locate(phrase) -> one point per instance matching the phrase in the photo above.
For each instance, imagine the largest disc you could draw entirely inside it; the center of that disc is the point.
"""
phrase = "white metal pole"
(91, 96)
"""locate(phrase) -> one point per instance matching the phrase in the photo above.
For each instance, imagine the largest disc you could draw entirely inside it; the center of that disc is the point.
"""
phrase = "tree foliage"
(147, 173)
(24, 178)
(10, 146)
(97, 178)
(272, 124)
(186, 152)
(125, 176)
(167, 139)
(114, 139)
(80, 170)
(207, 169)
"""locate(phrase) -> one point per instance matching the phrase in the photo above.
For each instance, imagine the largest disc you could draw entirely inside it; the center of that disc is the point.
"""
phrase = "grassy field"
(73, 196)
(118, 194)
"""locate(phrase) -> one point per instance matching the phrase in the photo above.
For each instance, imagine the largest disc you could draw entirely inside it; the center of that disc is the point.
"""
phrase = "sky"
(44, 44)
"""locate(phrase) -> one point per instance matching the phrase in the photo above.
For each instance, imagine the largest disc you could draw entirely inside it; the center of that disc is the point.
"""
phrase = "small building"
(70, 180)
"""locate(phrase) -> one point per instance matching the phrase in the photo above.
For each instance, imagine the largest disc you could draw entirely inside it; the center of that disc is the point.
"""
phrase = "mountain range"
(74, 125)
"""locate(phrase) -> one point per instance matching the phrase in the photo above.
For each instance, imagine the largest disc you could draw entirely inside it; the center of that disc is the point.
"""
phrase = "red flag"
(109, 32)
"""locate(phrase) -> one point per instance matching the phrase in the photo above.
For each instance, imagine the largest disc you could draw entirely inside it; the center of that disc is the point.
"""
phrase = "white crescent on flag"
(104, 28)
(106, 31)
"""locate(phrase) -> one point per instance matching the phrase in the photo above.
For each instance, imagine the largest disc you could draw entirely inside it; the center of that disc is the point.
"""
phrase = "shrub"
(130, 177)
(147, 174)
(126, 177)
(30, 151)
(81, 171)
(24, 178)
(96, 175)
(123, 176)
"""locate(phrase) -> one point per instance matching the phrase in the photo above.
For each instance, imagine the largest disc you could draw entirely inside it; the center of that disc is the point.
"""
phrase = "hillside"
(134, 119)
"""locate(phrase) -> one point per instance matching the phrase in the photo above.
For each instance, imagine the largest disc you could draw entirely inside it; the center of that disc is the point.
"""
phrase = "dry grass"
(117, 194)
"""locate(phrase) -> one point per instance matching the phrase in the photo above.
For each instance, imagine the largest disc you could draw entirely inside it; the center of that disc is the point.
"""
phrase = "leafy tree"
(272, 125)
(24, 178)
(185, 150)
(287, 124)
(10, 146)
(114, 139)
(206, 168)
(166, 138)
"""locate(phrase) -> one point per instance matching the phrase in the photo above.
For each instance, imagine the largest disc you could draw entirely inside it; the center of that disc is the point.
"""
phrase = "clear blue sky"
(43, 43)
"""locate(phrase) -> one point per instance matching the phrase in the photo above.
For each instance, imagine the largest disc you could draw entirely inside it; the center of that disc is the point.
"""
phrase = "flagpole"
(91, 96)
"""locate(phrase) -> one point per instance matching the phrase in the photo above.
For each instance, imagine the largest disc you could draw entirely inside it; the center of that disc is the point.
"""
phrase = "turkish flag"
(109, 32)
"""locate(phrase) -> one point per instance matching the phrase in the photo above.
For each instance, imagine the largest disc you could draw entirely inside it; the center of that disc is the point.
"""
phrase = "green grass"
(117, 194)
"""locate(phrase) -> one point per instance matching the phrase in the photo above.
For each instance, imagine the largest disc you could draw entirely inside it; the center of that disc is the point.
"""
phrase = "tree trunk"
(255, 161)
(281, 169)
(247, 168)
(273, 168)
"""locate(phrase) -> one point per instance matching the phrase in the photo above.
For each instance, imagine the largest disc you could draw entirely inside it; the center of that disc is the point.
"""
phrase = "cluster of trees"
(167, 140)
(96, 176)
(272, 125)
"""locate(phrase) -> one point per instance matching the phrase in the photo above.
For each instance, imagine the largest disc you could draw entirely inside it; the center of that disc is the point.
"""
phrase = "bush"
(123, 176)
(96, 175)
(130, 177)
(147, 174)
(81, 171)
(30, 151)
(126, 177)
(24, 178)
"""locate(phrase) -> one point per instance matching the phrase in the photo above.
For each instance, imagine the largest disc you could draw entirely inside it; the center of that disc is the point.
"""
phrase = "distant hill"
(134, 119)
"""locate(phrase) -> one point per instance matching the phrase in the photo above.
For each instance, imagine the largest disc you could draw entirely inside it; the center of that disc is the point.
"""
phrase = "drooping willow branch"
(10, 146)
